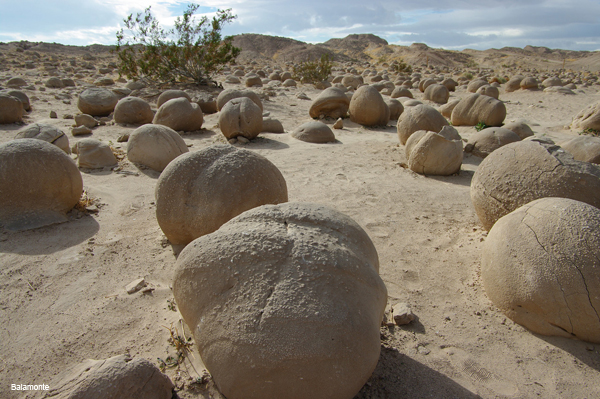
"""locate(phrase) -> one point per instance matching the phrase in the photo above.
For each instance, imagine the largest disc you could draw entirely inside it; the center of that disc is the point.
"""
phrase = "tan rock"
(240, 117)
(588, 118)
(155, 146)
(97, 101)
(332, 103)
(94, 154)
(200, 191)
(476, 108)
(484, 142)
(48, 133)
(230, 94)
(584, 148)
(314, 132)
(432, 153)
(295, 317)
(171, 94)
(437, 93)
(368, 108)
(133, 110)
(179, 114)
(419, 117)
(11, 109)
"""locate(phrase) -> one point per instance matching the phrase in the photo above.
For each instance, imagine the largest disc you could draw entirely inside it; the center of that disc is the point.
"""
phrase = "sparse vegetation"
(468, 75)
(480, 126)
(590, 131)
(400, 66)
(313, 71)
(182, 345)
(471, 64)
(192, 51)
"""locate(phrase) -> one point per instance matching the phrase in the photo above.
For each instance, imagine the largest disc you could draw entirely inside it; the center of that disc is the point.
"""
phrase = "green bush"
(313, 71)
(400, 66)
(192, 51)
(480, 126)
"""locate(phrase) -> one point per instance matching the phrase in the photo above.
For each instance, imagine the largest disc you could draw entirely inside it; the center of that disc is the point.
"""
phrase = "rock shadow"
(398, 376)
(585, 352)
(49, 239)
(265, 143)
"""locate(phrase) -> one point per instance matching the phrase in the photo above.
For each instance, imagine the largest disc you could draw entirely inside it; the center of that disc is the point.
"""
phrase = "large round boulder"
(432, 153)
(476, 108)
(401, 91)
(368, 108)
(240, 117)
(314, 132)
(353, 81)
(229, 94)
(588, 118)
(488, 90)
(94, 154)
(476, 84)
(180, 114)
(540, 267)
(584, 148)
(419, 117)
(520, 128)
(284, 301)
(11, 109)
(97, 101)
(513, 84)
(484, 142)
(133, 110)
(437, 93)
(332, 103)
(396, 108)
(200, 191)
(529, 83)
(39, 184)
(48, 133)
(21, 96)
(171, 94)
(154, 146)
(524, 171)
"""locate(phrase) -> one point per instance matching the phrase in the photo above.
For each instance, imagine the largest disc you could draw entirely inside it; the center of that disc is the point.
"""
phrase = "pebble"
(79, 130)
(402, 314)
(135, 286)
(243, 140)
(339, 124)
(53, 115)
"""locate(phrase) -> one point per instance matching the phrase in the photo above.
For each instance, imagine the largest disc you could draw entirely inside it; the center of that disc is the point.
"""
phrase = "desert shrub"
(400, 66)
(480, 126)
(590, 131)
(468, 75)
(192, 51)
(313, 71)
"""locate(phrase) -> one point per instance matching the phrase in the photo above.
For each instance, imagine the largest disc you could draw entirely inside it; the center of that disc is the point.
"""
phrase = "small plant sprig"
(591, 131)
(400, 66)
(480, 126)
(183, 347)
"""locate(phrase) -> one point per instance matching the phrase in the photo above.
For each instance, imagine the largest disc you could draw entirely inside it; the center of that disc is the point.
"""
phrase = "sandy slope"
(62, 287)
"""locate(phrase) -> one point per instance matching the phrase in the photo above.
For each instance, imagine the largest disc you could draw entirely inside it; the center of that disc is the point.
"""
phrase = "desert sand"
(63, 297)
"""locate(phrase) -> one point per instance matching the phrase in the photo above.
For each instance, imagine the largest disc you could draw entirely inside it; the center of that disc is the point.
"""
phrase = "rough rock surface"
(540, 267)
(39, 184)
(332, 103)
(133, 110)
(314, 132)
(524, 171)
(180, 114)
(433, 153)
(588, 118)
(48, 133)
(114, 378)
(94, 154)
(201, 190)
(155, 146)
(419, 117)
(229, 94)
(486, 141)
(476, 108)
(368, 108)
(437, 93)
(11, 109)
(520, 128)
(97, 101)
(584, 148)
(285, 302)
(171, 94)
(240, 117)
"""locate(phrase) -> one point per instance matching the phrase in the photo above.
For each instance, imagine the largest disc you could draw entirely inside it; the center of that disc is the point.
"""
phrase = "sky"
(450, 24)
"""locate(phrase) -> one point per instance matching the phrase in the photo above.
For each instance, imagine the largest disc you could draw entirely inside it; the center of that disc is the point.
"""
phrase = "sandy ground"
(63, 299)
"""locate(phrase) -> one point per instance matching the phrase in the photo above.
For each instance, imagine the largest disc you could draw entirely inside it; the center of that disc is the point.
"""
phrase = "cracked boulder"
(521, 172)
(584, 148)
(285, 301)
(588, 118)
(45, 132)
(114, 378)
(540, 266)
(240, 117)
(199, 191)
(431, 153)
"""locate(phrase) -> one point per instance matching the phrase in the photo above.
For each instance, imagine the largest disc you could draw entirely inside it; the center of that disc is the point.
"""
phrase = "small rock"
(402, 314)
(53, 115)
(80, 130)
(302, 96)
(67, 116)
(123, 138)
(423, 350)
(339, 124)
(232, 141)
(135, 286)
(243, 140)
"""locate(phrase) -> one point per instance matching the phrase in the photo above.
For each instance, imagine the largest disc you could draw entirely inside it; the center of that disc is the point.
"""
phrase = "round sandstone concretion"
(437, 93)
(588, 118)
(476, 84)
(401, 91)
(20, 96)
(450, 84)
(39, 184)
(11, 109)
(133, 110)
(229, 94)
(540, 267)
(419, 117)
(529, 83)
(488, 140)
(520, 128)
(48, 133)
(180, 115)
(171, 94)
(240, 117)
(155, 146)
(476, 108)
(94, 154)
(314, 132)
(97, 101)
(332, 103)
(367, 107)
(490, 91)
(513, 84)
(200, 191)
(285, 302)
(446, 109)
(524, 171)
(396, 108)
(584, 148)
(431, 153)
